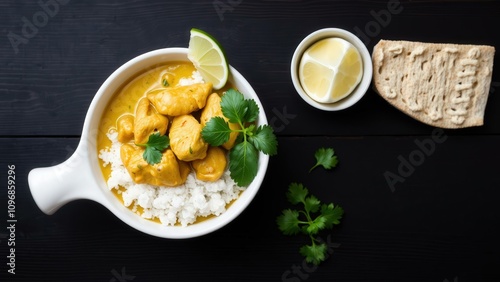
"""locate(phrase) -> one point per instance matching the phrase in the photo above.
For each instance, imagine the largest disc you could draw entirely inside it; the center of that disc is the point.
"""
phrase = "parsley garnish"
(326, 158)
(292, 222)
(154, 147)
(243, 157)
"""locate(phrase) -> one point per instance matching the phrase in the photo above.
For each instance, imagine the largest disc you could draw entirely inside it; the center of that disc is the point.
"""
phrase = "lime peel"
(208, 57)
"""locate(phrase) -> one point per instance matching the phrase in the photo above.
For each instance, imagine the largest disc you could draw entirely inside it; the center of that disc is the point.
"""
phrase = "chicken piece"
(185, 138)
(213, 109)
(180, 100)
(125, 128)
(212, 166)
(168, 172)
(147, 121)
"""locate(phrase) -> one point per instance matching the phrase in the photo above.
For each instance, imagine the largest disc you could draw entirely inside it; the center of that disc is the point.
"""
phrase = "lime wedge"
(208, 58)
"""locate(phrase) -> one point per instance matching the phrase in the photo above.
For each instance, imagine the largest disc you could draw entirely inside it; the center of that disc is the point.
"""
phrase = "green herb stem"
(290, 224)
(308, 216)
(243, 157)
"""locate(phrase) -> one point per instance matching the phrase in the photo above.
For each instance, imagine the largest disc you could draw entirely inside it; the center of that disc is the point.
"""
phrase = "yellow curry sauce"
(126, 98)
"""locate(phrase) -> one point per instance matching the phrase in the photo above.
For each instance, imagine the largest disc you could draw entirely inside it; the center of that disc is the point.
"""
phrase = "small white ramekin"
(357, 93)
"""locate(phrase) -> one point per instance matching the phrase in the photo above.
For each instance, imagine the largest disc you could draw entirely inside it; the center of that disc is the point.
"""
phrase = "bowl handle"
(53, 187)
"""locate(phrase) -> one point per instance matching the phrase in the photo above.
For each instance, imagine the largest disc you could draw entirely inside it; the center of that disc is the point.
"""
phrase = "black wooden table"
(440, 223)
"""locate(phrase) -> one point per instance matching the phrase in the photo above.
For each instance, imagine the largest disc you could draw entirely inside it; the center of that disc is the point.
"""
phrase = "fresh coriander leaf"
(240, 138)
(252, 112)
(164, 82)
(243, 163)
(288, 222)
(326, 158)
(159, 142)
(332, 214)
(250, 130)
(311, 204)
(320, 222)
(233, 106)
(152, 156)
(264, 140)
(314, 253)
(297, 193)
(243, 159)
(216, 131)
(316, 225)
(153, 148)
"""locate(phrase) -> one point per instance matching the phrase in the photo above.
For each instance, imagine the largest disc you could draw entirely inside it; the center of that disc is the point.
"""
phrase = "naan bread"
(443, 85)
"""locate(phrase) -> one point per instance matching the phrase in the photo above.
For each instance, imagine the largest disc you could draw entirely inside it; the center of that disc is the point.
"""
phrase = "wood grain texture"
(439, 223)
(46, 88)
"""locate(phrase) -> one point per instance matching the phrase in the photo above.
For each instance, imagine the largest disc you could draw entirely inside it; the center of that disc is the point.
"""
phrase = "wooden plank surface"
(47, 86)
(439, 221)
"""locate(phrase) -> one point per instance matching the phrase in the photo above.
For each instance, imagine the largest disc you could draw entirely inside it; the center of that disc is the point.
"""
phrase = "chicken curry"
(159, 101)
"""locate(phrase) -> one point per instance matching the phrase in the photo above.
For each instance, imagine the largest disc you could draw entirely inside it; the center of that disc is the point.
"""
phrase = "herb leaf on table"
(308, 221)
(325, 157)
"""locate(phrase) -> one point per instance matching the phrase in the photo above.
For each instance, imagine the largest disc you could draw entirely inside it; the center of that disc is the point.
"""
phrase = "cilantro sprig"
(325, 157)
(243, 157)
(154, 147)
(313, 218)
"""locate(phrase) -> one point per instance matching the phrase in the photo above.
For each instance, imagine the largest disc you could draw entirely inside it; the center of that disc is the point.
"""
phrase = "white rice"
(171, 205)
(195, 78)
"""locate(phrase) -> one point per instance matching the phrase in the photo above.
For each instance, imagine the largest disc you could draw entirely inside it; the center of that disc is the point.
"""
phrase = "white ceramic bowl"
(357, 93)
(80, 176)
